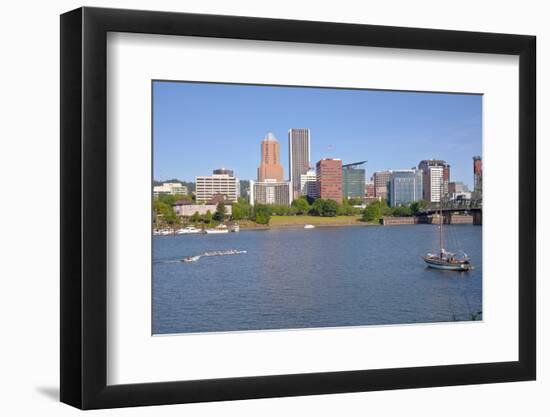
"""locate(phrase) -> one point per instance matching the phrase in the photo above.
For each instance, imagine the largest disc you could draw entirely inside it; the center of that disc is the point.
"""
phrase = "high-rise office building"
(308, 183)
(381, 180)
(270, 166)
(298, 157)
(353, 180)
(207, 187)
(435, 179)
(329, 179)
(405, 186)
(478, 176)
(270, 192)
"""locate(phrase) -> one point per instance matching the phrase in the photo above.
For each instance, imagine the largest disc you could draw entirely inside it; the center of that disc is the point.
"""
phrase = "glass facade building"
(353, 180)
(405, 187)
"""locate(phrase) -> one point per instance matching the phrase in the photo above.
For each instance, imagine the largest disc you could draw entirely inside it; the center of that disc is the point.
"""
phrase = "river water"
(324, 277)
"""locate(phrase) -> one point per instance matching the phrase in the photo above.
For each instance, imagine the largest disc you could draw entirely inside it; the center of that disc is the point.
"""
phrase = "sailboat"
(445, 259)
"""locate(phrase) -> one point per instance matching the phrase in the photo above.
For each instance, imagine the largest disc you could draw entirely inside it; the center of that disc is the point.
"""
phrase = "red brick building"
(370, 190)
(329, 179)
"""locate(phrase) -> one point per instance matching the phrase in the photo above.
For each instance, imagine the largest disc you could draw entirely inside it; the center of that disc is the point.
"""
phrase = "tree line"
(262, 213)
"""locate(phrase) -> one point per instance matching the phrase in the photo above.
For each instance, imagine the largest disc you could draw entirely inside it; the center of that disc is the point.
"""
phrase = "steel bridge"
(473, 205)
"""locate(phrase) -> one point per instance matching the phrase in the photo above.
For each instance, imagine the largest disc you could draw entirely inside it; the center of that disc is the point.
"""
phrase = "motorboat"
(222, 228)
(188, 230)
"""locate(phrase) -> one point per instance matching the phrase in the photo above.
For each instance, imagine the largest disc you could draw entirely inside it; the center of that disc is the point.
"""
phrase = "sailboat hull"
(448, 266)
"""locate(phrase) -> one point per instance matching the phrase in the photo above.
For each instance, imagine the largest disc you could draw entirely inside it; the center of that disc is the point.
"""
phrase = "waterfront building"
(270, 192)
(208, 186)
(170, 188)
(329, 179)
(270, 166)
(381, 180)
(478, 177)
(186, 208)
(298, 157)
(370, 190)
(353, 180)
(405, 186)
(435, 179)
(308, 183)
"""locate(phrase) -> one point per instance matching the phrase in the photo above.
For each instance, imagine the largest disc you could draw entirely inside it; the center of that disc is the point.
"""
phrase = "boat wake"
(195, 258)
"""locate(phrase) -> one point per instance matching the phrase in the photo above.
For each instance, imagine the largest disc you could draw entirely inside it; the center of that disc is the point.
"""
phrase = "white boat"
(222, 228)
(188, 259)
(166, 232)
(309, 226)
(188, 230)
(236, 228)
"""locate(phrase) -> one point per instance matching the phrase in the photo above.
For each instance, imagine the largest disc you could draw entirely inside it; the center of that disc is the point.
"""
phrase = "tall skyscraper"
(381, 180)
(353, 180)
(298, 157)
(405, 186)
(329, 179)
(478, 177)
(435, 179)
(270, 166)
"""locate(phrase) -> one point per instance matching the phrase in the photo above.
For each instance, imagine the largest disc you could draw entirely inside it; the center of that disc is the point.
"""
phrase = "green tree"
(241, 209)
(417, 206)
(346, 209)
(301, 205)
(262, 214)
(325, 208)
(219, 214)
(196, 217)
(164, 214)
(208, 217)
(373, 212)
(355, 201)
(401, 211)
(169, 198)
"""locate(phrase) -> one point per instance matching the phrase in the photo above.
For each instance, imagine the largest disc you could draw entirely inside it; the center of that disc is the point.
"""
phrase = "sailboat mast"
(440, 221)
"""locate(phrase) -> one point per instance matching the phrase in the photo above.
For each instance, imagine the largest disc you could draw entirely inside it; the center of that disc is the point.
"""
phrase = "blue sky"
(199, 127)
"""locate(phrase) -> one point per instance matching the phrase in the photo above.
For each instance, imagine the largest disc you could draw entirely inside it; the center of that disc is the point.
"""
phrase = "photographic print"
(289, 207)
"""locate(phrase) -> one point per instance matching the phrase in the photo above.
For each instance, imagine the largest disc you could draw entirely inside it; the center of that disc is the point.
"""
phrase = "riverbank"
(298, 222)
(284, 222)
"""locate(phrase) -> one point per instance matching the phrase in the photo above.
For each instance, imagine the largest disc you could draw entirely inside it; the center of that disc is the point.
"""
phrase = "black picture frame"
(84, 207)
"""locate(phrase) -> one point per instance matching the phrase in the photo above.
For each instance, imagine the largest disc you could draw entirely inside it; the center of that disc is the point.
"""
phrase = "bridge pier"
(478, 217)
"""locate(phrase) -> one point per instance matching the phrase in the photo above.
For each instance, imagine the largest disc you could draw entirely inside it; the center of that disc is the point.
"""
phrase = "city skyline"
(181, 111)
